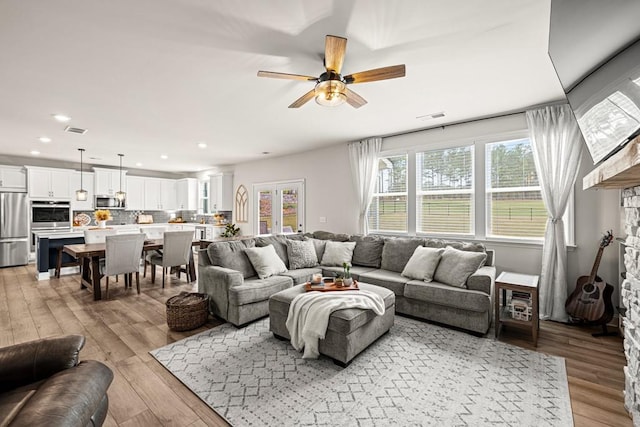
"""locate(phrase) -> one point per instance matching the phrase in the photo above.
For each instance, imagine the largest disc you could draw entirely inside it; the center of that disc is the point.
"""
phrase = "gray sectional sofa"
(239, 296)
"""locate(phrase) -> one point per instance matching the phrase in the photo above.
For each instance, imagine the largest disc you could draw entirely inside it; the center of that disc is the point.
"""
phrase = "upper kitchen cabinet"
(13, 178)
(49, 183)
(187, 189)
(160, 194)
(221, 188)
(87, 185)
(107, 181)
(135, 193)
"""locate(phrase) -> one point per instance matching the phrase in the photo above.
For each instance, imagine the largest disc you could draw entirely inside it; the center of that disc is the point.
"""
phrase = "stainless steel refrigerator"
(14, 229)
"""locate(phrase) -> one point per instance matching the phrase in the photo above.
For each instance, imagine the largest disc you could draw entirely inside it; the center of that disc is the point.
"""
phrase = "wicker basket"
(187, 311)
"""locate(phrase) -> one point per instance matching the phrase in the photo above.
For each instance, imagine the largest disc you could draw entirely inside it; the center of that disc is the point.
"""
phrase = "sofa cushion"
(319, 246)
(327, 235)
(356, 271)
(368, 251)
(423, 263)
(449, 296)
(387, 279)
(302, 254)
(456, 266)
(397, 251)
(279, 243)
(337, 253)
(257, 290)
(265, 261)
(296, 236)
(231, 255)
(302, 275)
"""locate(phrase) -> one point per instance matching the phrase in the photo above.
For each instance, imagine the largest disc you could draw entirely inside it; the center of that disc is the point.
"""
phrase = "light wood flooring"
(122, 330)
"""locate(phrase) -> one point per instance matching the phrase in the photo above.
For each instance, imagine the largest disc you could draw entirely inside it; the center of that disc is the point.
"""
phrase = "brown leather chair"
(42, 384)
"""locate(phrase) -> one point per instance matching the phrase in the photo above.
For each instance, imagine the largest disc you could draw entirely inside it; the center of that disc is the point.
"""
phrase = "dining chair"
(176, 252)
(98, 235)
(122, 256)
(151, 233)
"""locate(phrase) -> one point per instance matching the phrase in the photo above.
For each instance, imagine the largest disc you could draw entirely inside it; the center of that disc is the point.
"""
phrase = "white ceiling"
(149, 78)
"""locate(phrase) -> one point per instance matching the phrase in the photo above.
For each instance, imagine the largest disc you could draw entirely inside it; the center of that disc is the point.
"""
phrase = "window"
(444, 191)
(514, 202)
(388, 209)
(204, 196)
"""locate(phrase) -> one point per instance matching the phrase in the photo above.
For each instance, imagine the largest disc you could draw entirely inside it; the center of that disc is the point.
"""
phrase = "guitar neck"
(596, 265)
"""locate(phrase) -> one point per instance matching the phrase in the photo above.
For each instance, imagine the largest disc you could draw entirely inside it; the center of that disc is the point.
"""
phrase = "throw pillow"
(335, 253)
(368, 251)
(422, 264)
(302, 254)
(278, 242)
(265, 261)
(319, 245)
(456, 266)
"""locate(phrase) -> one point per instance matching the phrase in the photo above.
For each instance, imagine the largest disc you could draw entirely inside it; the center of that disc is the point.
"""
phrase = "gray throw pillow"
(368, 251)
(231, 255)
(423, 263)
(302, 254)
(397, 251)
(319, 245)
(456, 266)
(265, 261)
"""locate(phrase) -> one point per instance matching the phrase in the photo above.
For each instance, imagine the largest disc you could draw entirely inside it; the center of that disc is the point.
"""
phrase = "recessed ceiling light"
(61, 118)
(266, 152)
(202, 145)
(164, 156)
(44, 139)
(34, 152)
(138, 164)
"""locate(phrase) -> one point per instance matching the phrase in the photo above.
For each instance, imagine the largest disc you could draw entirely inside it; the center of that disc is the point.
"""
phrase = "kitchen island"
(48, 244)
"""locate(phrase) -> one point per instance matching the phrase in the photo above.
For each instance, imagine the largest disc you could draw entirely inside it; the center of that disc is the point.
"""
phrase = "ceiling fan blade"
(383, 73)
(303, 99)
(334, 50)
(353, 99)
(286, 76)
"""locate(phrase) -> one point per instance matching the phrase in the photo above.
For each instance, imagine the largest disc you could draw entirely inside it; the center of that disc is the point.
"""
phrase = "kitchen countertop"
(79, 231)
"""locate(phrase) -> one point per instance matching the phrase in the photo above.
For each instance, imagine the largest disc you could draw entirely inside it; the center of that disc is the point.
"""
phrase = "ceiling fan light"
(331, 93)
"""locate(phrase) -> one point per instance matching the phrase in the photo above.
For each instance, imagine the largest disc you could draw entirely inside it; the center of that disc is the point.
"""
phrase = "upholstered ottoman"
(350, 330)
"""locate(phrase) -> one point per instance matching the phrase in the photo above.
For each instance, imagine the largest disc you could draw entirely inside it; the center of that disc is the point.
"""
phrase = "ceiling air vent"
(431, 116)
(75, 130)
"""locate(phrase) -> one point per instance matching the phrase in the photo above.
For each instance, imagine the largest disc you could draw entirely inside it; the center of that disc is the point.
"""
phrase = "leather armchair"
(43, 383)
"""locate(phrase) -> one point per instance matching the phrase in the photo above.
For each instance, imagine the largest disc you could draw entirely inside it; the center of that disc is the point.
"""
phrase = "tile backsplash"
(129, 217)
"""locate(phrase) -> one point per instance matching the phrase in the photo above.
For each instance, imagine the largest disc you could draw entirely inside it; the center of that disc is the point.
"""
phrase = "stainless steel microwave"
(109, 202)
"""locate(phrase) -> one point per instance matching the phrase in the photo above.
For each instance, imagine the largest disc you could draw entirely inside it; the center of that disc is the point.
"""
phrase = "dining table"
(89, 255)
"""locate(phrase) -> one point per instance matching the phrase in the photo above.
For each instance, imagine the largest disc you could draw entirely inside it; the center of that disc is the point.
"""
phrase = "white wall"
(329, 190)
(329, 193)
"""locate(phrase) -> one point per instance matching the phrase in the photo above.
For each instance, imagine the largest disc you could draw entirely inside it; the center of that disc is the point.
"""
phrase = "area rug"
(417, 374)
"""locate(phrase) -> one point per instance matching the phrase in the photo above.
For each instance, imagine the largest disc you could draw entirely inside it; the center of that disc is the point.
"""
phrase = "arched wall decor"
(242, 199)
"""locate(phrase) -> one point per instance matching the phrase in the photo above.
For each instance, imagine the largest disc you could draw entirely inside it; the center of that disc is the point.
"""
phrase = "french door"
(278, 207)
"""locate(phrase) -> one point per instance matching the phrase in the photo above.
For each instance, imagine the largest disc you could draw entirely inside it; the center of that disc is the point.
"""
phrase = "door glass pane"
(290, 210)
(266, 207)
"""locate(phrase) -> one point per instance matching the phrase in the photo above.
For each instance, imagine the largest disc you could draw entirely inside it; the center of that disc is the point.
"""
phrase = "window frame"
(394, 153)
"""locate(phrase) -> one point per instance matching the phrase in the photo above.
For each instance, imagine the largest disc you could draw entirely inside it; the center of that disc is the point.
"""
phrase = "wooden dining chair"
(122, 256)
(151, 233)
(176, 252)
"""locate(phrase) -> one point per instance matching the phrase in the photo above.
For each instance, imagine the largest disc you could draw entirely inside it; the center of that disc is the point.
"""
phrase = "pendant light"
(81, 194)
(120, 195)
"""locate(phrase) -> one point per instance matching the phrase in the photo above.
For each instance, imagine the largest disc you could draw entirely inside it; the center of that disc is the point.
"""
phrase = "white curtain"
(557, 147)
(363, 157)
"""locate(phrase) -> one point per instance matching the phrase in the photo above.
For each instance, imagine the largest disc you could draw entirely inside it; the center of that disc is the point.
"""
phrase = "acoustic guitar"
(590, 302)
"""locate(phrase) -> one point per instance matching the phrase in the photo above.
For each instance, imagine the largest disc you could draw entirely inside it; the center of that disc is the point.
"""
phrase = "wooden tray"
(331, 286)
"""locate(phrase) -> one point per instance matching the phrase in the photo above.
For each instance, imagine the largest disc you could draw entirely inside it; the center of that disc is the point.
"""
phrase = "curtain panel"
(363, 157)
(557, 146)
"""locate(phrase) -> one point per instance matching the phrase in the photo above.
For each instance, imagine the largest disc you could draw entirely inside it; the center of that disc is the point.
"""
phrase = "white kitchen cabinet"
(13, 178)
(135, 193)
(221, 189)
(187, 190)
(107, 181)
(49, 183)
(159, 194)
(87, 184)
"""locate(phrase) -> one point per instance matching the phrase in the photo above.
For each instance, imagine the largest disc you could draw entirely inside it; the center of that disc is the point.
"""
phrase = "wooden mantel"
(622, 170)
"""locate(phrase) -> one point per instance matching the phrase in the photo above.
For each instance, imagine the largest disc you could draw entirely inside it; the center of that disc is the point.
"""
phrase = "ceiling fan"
(331, 86)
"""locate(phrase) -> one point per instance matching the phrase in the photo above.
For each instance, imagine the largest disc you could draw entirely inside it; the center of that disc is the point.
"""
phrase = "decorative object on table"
(81, 194)
(144, 219)
(590, 302)
(242, 198)
(187, 311)
(347, 280)
(230, 230)
(331, 286)
(460, 380)
(102, 216)
(82, 220)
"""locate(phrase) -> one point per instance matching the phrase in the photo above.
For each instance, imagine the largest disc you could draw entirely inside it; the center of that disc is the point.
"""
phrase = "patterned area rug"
(417, 374)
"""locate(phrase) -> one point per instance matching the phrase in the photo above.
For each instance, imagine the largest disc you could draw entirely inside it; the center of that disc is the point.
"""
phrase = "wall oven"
(49, 215)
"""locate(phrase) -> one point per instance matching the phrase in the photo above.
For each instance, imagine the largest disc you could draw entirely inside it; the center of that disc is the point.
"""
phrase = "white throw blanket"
(309, 315)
